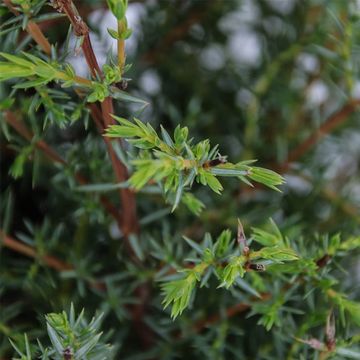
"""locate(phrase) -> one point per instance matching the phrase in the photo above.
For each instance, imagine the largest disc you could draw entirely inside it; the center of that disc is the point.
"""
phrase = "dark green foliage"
(180, 277)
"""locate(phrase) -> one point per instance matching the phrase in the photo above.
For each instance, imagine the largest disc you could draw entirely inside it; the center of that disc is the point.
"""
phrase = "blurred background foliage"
(273, 80)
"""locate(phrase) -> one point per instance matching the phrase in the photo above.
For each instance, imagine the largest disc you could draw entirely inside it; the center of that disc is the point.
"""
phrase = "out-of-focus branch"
(230, 312)
(49, 260)
(327, 127)
(29, 251)
(19, 126)
(346, 207)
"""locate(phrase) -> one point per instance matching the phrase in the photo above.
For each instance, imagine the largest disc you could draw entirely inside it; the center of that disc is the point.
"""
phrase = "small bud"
(122, 85)
(215, 162)
(323, 261)
(315, 344)
(330, 332)
(241, 239)
(68, 355)
(257, 267)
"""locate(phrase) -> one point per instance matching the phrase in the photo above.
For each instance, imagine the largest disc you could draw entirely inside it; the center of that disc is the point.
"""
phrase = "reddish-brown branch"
(59, 265)
(327, 127)
(11, 119)
(81, 30)
(130, 221)
(90, 56)
(96, 116)
(29, 251)
(33, 30)
(49, 260)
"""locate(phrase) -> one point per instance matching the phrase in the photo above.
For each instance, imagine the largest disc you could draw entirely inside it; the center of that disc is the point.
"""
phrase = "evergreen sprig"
(38, 73)
(42, 72)
(176, 163)
(228, 261)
